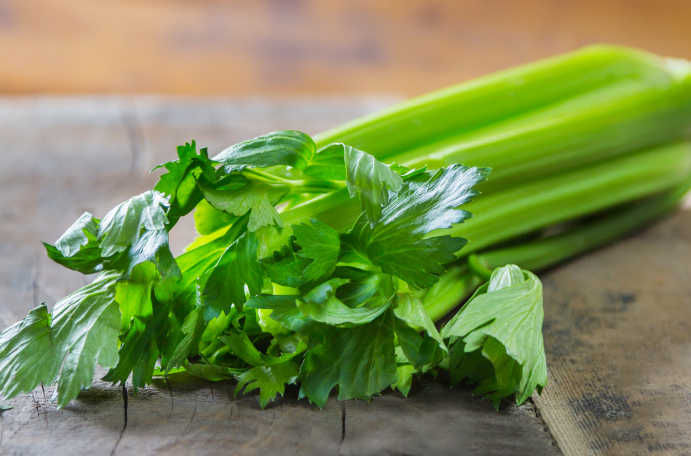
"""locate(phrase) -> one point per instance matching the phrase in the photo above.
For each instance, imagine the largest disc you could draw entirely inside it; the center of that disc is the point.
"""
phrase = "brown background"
(298, 47)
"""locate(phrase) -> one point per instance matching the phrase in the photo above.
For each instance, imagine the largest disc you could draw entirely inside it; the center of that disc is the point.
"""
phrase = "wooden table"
(616, 327)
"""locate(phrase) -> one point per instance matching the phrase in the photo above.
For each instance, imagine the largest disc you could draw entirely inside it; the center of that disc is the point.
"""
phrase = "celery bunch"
(326, 261)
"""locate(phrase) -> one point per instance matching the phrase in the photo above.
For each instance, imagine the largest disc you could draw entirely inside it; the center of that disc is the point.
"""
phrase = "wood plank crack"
(343, 421)
(172, 402)
(124, 426)
(548, 431)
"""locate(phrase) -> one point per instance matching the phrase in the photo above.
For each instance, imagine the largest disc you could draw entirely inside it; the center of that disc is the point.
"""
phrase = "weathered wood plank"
(618, 342)
(62, 156)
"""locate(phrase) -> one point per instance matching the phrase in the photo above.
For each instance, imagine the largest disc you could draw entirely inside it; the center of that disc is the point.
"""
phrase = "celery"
(462, 278)
(295, 279)
(533, 121)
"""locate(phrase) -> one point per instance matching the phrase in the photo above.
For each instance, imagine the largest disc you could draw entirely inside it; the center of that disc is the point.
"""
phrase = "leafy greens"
(270, 294)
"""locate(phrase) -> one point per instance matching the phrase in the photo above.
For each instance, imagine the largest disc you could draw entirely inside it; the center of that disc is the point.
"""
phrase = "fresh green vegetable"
(496, 338)
(327, 261)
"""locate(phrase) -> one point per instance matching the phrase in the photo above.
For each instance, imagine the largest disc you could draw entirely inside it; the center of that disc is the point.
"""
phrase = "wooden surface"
(618, 341)
(288, 47)
(61, 157)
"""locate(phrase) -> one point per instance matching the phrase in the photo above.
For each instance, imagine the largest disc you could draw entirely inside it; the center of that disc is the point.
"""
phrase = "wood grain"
(288, 47)
(618, 342)
(62, 156)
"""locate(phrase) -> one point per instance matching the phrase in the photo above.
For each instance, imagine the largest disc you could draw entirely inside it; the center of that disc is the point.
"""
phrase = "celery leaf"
(504, 326)
(327, 163)
(360, 360)
(63, 349)
(123, 225)
(371, 180)
(425, 203)
(270, 380)
(180, 182)
(283, 147)
(286, 268)
(141, 347)
(78, 235)
(423, 349)
(321, 304)
(224, 284)
(320, 243)
(255, 198)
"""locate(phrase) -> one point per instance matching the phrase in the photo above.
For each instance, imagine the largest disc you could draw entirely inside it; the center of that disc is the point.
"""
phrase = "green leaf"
(353, 253)
(407, 173)
(208, 219)
(371, 180)
(87, 261)
(283, 147)
(327, 163)
(65, 349)
(78, 235)
(196, 262)
(360, 360)
(243, 348)
(270, 380)
(78, 249)
(505, 326)
(122, 226)
(134, 294)
(130, 226)
(505, 277)
(321, 304)
(211, 372)
(363, 287)
(421, 350)
(286, 268)
(319, 243)
(84, 331)
(25, 354)
(141, 347)
(224, 284)
(404, 378)
(284, 310)
(426, 203)
(193, 328)
(4, 408)
(153, 246)
(180, 182)
(255, 198)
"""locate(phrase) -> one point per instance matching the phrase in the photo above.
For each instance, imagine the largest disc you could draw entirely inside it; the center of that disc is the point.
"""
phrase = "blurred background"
(307, 47)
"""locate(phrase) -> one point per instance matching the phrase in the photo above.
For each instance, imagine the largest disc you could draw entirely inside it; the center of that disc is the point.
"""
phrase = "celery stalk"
(593, 234)
(585, 130)
(538, 119)
(460, 279)
(483, 101)
(525, 208)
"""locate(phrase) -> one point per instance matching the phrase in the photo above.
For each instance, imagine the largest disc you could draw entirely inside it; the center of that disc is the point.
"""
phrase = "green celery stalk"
(526, 208)
(488, 99)
(545, 253)
(535, 120)
(602, 124)
(462, 278)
